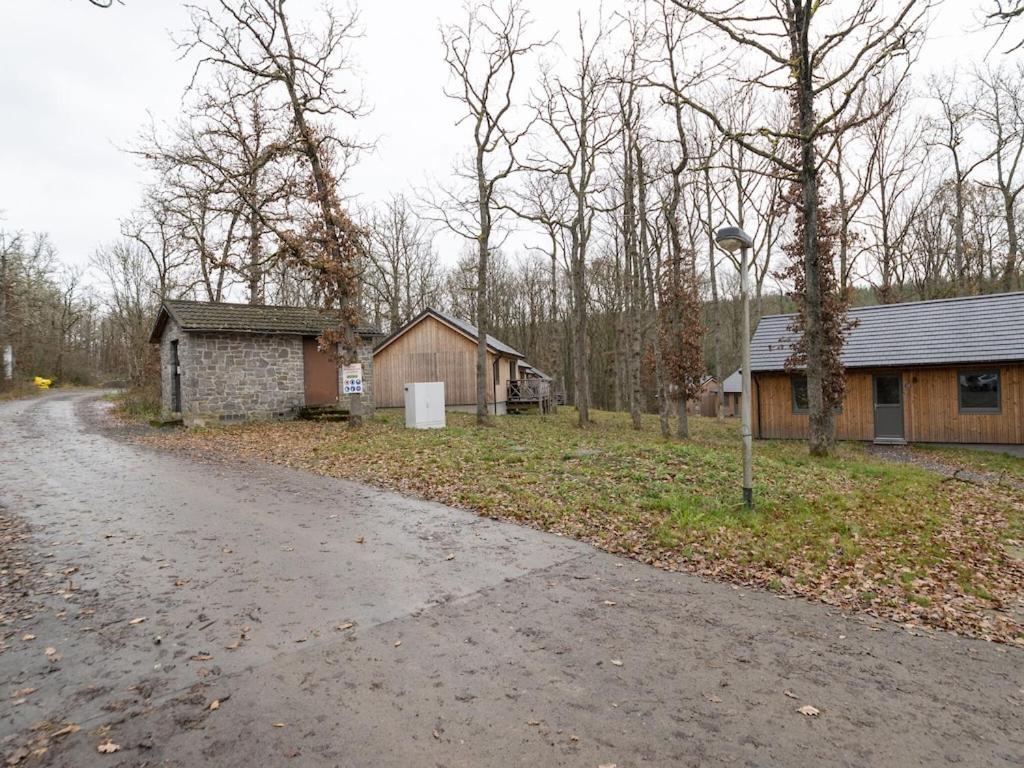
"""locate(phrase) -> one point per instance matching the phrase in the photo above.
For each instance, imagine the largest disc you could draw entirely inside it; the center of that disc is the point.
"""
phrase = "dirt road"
(338, 625)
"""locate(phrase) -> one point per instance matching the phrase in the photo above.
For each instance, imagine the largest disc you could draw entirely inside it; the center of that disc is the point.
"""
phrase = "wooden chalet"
(437, 346)
(944, 371)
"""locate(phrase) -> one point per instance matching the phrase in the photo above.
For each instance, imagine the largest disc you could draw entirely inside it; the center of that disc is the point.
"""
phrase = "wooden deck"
(525, 393)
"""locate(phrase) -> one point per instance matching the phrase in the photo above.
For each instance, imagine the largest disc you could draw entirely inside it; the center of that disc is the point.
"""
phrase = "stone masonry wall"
(241, 376)
(171, 333)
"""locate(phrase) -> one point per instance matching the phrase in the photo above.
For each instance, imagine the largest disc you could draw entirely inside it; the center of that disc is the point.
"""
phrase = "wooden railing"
(529, 390)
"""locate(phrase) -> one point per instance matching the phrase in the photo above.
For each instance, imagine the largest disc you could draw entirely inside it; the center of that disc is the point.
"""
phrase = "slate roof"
(734, 382)
(463, 326)
(970, 329)
(212, 317)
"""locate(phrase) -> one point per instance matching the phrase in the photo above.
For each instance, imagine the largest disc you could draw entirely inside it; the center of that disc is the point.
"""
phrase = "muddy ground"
(227, 614)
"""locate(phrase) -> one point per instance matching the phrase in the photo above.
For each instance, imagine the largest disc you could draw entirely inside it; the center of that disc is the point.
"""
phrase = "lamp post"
(735, 239)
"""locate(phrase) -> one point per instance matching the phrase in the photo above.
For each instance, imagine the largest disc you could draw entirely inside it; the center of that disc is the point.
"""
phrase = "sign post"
(352, 379)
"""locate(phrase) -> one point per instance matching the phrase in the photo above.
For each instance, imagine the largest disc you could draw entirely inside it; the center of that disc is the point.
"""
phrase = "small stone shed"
(223, 362)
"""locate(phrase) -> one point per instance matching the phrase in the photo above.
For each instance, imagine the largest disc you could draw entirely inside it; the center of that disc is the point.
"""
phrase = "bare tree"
(825, 74)
(402, 267)
(483, 54)
(1001, 113)
(577, 116)
(301, 67)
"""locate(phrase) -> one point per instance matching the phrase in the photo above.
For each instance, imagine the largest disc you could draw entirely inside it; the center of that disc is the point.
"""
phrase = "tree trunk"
(822, 421)
(716, 309)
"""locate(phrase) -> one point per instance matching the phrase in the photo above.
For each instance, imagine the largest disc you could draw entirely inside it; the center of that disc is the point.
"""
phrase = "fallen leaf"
(214, 705)
(790, 694)
(23, 692)
(346, 625)
(450, 557)
(17, 756)
(617, 662)
(67, 730)
(201, 657)
(809, 711)
(108, 748)
(533, 722)
(279, 725)
(138, 620)
(608, 765)
(26, 638)
(180, 583)
(233, 646)
(574, 738)
(360, 540)
(227, 550)
(397, 643)
(609, 602)
(435, 734)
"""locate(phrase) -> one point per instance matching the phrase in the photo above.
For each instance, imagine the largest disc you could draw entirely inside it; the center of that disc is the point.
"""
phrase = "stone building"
(234, 362)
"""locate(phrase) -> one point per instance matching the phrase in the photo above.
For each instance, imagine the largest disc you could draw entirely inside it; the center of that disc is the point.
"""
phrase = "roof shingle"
(205, 316)
(970, 329)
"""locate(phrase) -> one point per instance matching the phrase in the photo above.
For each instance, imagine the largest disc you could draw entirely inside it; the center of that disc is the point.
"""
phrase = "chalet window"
(801, 403)
(979, 391)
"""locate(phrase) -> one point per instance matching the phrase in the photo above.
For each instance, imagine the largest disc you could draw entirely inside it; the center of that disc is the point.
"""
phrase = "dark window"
(512, 369)
(801, 403)
(888, 390)
(979, 391)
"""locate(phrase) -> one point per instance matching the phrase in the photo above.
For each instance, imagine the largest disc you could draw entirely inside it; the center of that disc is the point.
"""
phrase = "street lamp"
(735, 239)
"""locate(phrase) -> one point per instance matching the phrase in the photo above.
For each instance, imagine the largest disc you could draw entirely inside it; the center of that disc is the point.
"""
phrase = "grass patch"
(138, 403)
(982, 461)
(851, 529)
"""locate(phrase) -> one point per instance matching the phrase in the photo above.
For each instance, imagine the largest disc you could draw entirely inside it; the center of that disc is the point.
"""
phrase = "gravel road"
(290, 619)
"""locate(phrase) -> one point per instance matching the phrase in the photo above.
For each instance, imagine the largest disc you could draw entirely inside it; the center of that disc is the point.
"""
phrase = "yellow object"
(42, 383)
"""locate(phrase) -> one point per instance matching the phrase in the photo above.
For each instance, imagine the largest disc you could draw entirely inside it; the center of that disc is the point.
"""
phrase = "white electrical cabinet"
(424, 405)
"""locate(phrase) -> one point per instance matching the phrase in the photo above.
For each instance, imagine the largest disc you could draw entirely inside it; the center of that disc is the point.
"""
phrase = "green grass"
(852, 528)
(138, 403)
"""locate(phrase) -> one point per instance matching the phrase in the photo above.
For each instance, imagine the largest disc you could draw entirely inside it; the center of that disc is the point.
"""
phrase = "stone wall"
(228, 377)
(171, 333)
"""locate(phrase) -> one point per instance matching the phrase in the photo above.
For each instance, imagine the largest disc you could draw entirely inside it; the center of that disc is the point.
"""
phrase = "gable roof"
(733, 382)
(464, 327)
(527, 368)
(211, 317)
(970, 329)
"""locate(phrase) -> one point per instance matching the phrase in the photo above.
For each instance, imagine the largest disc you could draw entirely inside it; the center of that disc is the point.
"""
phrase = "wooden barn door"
(321, 374)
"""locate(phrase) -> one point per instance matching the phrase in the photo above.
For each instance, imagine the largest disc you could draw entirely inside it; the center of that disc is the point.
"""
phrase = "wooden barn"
(944, 371)
(436, 346)
(706, 401)
(732, 391)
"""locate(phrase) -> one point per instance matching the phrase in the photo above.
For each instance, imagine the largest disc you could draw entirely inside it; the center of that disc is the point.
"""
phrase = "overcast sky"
(76, 84)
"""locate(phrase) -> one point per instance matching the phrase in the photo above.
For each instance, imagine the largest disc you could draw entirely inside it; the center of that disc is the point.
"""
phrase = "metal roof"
(464, 327)
(733, 382)
(969, 329)
(211, 317)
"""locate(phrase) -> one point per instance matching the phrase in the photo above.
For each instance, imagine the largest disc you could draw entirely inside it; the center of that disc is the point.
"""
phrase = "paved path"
(474, 643)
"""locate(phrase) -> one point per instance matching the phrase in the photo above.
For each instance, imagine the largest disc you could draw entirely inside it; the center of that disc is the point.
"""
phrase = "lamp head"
(733, 238)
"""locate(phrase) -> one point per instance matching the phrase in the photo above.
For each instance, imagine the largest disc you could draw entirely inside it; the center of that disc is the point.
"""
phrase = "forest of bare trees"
(577, 222)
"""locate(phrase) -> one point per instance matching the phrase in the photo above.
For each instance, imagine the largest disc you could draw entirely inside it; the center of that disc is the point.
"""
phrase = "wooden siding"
(432, 351)
(931, 411)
